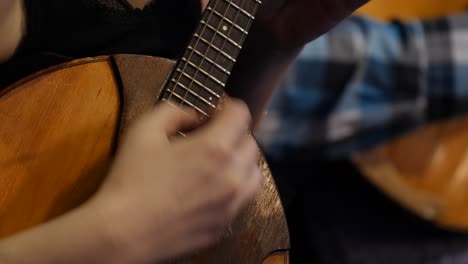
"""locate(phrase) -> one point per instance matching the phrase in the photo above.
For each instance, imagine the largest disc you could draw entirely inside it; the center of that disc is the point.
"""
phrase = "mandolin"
(425, 170)
(60, 129)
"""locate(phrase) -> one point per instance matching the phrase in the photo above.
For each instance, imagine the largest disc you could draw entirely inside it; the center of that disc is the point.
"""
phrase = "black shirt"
(58, 31)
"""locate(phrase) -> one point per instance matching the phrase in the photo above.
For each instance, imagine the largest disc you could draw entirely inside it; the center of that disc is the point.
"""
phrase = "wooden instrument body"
(408, 10)
(60, 128)
(426, 170)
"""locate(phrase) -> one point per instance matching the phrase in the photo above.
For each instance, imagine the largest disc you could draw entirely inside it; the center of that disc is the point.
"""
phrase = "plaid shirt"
(366, 82)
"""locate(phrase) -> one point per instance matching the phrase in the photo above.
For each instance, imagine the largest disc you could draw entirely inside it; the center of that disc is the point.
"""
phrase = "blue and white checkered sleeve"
(447, 71)
(364, 83)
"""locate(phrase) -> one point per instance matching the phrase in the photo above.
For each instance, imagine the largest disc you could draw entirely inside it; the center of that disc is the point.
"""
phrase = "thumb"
(169, 119)
(176, 118)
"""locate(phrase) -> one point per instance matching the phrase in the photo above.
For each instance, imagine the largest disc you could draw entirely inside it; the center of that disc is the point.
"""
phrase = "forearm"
(258, 72)
(78, 237)
(363, 84)
(12, 27)
(279, 33)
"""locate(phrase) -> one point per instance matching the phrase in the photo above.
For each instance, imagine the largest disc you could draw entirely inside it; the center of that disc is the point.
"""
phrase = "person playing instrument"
(139, 216)
(364, 83)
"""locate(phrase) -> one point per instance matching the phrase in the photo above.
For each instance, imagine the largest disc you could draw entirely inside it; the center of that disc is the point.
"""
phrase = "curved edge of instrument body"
(260, 230)
(420, 181)
(54, 140)
(49, 70)
(262, 224)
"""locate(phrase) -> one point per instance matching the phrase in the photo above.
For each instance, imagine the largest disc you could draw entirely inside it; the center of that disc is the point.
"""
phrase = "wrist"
(121, 229)
(110, 228)
(80, 236)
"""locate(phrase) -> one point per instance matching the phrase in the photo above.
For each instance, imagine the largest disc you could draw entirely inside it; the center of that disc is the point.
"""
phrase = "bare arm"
(78, 237)
(149, 208)
(12, 27)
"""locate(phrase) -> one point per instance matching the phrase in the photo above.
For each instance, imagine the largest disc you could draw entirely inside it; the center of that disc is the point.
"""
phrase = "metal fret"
(187, 102)
(170, 103)
(197, 82)
(204, 72)
(228, 20)
(192, 92)
(222, 35)
(209, 60)
(214, 47)
(240, 9)
(211, 53)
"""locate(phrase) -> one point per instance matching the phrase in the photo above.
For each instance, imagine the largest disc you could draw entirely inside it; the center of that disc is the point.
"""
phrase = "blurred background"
(408, 9)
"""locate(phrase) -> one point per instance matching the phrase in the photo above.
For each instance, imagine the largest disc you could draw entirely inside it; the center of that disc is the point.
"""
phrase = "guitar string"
(208, 48)
(191, 53)
(171, 92)
(228, 33)
(250, 21)
(184, 100)
(220, 90)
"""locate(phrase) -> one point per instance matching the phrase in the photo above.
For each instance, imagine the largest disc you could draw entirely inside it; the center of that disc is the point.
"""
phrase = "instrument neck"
(201, 74)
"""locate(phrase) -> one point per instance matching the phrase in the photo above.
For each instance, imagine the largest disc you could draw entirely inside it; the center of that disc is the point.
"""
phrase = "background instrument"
(406, 10)
(426, 171)
(60, 128)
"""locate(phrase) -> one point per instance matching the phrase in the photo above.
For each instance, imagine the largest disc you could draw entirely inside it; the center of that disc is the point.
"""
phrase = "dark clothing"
(59, 30)
(360, 85)
(335, 216)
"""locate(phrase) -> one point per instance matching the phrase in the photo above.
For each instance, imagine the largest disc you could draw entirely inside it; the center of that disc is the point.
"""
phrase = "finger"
(247, 194)
(229, 125)
(204, 4)
(254, 183)
(248, 174)
(171, 119)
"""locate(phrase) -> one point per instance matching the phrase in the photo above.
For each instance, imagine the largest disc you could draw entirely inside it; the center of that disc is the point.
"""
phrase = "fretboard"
(201, 74)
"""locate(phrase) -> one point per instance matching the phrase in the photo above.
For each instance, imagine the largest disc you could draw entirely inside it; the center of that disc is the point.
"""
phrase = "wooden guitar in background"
(426, 171)
(59, 129)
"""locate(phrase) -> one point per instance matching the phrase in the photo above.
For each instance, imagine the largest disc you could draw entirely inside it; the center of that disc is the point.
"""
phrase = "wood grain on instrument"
(58, 133)
(55, 138)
